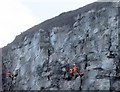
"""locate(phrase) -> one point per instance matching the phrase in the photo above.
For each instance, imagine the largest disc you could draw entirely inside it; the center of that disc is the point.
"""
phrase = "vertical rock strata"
(42, 61)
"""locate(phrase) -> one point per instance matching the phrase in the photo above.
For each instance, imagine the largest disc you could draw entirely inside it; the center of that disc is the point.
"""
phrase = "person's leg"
(68, 77)
(75, 75)
(81, 74)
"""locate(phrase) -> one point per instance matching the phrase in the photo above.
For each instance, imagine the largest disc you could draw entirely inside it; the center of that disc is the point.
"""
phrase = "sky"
(17, 16)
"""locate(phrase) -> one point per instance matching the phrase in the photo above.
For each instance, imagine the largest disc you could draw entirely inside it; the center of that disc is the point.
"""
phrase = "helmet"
(74, 64)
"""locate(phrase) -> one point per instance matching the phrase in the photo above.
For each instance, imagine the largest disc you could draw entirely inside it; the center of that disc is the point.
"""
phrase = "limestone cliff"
(40, 58)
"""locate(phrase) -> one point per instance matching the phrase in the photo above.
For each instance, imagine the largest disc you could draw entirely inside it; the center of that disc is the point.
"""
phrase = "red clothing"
(75, 72)
(71, 71)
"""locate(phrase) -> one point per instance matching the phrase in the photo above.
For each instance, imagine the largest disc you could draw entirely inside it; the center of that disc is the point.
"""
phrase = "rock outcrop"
(40, 58)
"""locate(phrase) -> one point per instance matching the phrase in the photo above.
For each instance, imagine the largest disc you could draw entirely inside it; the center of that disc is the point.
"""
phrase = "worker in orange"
(71, 72)
(75, 72)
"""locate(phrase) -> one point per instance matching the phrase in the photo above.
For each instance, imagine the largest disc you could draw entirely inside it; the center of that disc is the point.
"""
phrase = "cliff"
(40, 58)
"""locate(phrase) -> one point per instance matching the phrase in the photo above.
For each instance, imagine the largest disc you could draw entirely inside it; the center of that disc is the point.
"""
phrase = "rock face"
(40, 58)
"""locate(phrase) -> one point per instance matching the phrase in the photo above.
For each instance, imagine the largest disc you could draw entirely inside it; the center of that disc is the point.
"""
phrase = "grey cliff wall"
(41, 59)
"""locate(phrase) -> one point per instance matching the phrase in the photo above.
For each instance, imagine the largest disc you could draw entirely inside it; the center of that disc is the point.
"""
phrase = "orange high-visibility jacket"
(75, 68)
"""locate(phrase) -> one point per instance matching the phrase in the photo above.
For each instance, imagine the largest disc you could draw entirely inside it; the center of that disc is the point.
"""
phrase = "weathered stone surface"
(116, 85)
(102, 84)
(42, 58)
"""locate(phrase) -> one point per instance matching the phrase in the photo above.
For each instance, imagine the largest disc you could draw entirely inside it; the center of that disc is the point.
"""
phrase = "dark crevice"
(111, 80)
(86, 64)
(80, 84)
(48, 77)
(110, 43)
(98, 68)
(111, 54)
(49, 54)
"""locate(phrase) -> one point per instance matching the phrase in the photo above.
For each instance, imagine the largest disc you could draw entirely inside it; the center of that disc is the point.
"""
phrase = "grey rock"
(46, 74)
(42, 56)
(102, 84)
(116, 85)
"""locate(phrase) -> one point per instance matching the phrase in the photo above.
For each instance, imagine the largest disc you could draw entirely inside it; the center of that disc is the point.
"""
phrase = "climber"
(71, 73)
(10, 75)
(75, 72)
(68, 75)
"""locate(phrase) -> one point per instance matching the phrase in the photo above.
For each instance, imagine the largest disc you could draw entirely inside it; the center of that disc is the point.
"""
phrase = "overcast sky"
(17, 16)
